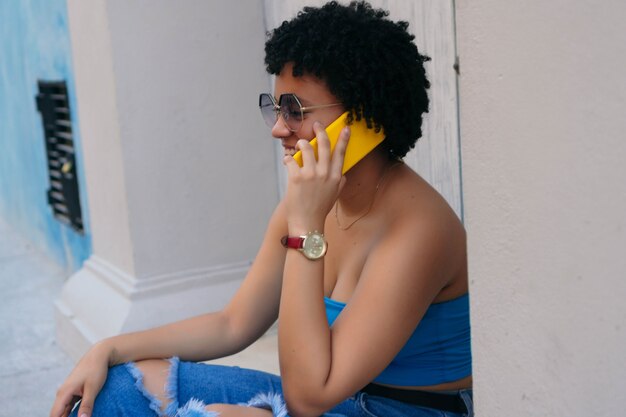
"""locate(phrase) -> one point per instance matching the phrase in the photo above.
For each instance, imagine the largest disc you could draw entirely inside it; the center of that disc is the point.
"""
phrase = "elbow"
(235, 336)
(297, 409)
(304, 405)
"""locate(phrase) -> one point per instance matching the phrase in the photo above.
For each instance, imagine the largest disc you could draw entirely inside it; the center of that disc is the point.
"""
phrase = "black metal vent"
(54, 106)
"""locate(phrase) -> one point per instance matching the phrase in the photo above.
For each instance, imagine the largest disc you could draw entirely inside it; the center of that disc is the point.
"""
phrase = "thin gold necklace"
(366, 212)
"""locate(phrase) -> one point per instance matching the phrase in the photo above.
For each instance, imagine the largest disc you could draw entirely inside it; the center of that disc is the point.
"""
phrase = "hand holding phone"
(362, 141)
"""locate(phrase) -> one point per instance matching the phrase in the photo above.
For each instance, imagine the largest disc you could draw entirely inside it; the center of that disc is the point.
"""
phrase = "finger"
(308, 155)
(60, 404)
(291, 164)
(339, 153)
(342, 183)
(67, 410)
(323, 145)
(86, 405)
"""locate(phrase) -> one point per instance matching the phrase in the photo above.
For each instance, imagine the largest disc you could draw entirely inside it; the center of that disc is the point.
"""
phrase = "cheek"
(306, 131)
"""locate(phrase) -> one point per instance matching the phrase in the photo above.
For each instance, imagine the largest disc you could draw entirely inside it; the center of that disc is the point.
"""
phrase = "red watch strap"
(295, 242)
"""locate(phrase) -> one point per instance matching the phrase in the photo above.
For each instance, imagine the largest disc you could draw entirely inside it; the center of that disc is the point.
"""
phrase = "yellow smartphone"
(362, 141)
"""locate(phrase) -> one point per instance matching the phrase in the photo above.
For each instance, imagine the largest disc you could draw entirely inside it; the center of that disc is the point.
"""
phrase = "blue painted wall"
(34, 44)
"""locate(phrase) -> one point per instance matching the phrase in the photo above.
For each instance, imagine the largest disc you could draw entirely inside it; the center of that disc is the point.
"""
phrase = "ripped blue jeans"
(191, 386)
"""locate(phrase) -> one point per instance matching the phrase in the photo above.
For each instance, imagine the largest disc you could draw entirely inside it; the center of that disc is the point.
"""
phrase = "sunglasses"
(289, 107)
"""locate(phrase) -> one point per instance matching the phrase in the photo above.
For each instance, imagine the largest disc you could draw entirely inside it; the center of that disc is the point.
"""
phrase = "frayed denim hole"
(155, 403)
(171, 387)
(195, 408)
(270, 401)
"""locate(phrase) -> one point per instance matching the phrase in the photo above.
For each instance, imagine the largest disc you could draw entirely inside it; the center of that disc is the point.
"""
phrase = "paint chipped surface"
(34, 44)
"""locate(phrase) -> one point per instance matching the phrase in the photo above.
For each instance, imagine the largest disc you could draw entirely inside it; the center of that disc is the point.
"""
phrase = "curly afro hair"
(368, 62)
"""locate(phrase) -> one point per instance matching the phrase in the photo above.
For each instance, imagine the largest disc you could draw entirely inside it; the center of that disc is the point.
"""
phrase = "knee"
(119, 390)
(228, 410)
(154, 371)
(154, 375)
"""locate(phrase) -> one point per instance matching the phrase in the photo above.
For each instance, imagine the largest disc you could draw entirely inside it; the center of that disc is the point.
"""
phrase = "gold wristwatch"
(312, 245)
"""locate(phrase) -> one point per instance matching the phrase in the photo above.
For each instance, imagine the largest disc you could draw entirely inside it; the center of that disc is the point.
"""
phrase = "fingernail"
(83, 415)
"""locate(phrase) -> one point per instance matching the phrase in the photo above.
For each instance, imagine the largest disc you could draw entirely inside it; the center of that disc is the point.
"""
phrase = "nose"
(280, 129)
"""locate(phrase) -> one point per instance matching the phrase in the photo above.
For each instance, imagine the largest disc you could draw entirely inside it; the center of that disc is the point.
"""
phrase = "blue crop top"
(438, 351)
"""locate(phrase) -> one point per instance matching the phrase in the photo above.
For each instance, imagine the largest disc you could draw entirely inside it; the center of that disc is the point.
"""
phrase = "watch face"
(314, 246)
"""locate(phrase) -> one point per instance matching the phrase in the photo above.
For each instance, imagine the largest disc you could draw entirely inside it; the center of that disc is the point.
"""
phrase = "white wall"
(543, 134)
(188, 80)
(179, 179)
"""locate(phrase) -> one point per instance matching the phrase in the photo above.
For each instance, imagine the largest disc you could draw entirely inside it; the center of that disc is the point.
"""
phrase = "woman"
(373, 320)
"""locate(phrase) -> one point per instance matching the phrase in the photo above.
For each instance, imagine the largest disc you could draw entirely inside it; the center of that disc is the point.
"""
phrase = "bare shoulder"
(420, 217)
(414, 199)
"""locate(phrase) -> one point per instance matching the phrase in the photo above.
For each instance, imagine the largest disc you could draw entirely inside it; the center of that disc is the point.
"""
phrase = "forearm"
(196, 339)
(305, 339)
(304, 335)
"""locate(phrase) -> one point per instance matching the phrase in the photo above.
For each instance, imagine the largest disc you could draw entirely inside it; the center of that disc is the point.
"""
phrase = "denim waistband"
(452, 402)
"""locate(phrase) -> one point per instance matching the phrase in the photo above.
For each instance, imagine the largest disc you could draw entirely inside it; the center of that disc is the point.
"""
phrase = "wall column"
(543, 94)
(179, 166)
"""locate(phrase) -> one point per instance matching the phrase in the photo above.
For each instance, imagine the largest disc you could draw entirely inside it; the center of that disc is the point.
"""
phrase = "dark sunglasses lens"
(291, 111)
(266, 104)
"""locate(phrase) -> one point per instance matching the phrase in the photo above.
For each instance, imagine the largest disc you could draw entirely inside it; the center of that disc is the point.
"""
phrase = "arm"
(321, 366)
(409, 266)
(249, 314)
